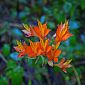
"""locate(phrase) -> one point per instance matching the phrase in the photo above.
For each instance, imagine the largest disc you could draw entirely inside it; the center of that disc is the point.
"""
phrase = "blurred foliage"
(25, 71)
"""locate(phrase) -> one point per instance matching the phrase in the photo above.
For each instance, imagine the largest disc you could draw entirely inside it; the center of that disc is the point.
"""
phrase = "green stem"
(76, 75)
(36, 60)
(29, 82)
(42, 60)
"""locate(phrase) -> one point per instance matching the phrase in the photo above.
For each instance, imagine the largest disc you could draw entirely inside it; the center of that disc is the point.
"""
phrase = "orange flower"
(45, 46)
(53, 55)
(28, 31)
(62, 32)
(41, 30)
(64, 64)
(34, 49)
(42, 47)
(21, 48)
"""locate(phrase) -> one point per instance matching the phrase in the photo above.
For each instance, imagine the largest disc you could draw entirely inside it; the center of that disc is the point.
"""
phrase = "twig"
(47, 78)
(3, 58)
(12, 25)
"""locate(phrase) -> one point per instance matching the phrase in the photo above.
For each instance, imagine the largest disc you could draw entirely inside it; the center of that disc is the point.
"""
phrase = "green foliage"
(6, 49)
(29, 82)
(3, 81)
(15, 73)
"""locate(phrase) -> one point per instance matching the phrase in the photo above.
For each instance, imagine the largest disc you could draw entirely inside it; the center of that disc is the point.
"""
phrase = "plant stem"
(76, 75)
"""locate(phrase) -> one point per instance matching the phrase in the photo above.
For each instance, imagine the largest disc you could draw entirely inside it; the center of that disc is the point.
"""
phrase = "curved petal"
(55, 59)
(37, 31)
(66, 36)
(57, 53)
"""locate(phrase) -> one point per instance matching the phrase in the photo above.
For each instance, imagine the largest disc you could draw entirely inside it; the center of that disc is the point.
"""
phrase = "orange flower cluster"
(43, 47)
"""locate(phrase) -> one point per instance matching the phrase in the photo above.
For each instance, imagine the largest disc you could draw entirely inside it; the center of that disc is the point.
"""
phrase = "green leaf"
(56, 69)
(51, 25)
(4, 28)
(40, 60)
(60, 17)
(16, 75)
(3, 81)
(29, 82)
(38, 76)
(6, 49)
(67, 7)
(82, 2)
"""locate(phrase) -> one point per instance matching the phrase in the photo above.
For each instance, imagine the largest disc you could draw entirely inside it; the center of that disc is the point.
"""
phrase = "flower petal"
(48, 48)
(55, 59)
(37, 31)
(66, 36)
(57, 53)
(27, 33)
(65, 28)
(46, 32)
